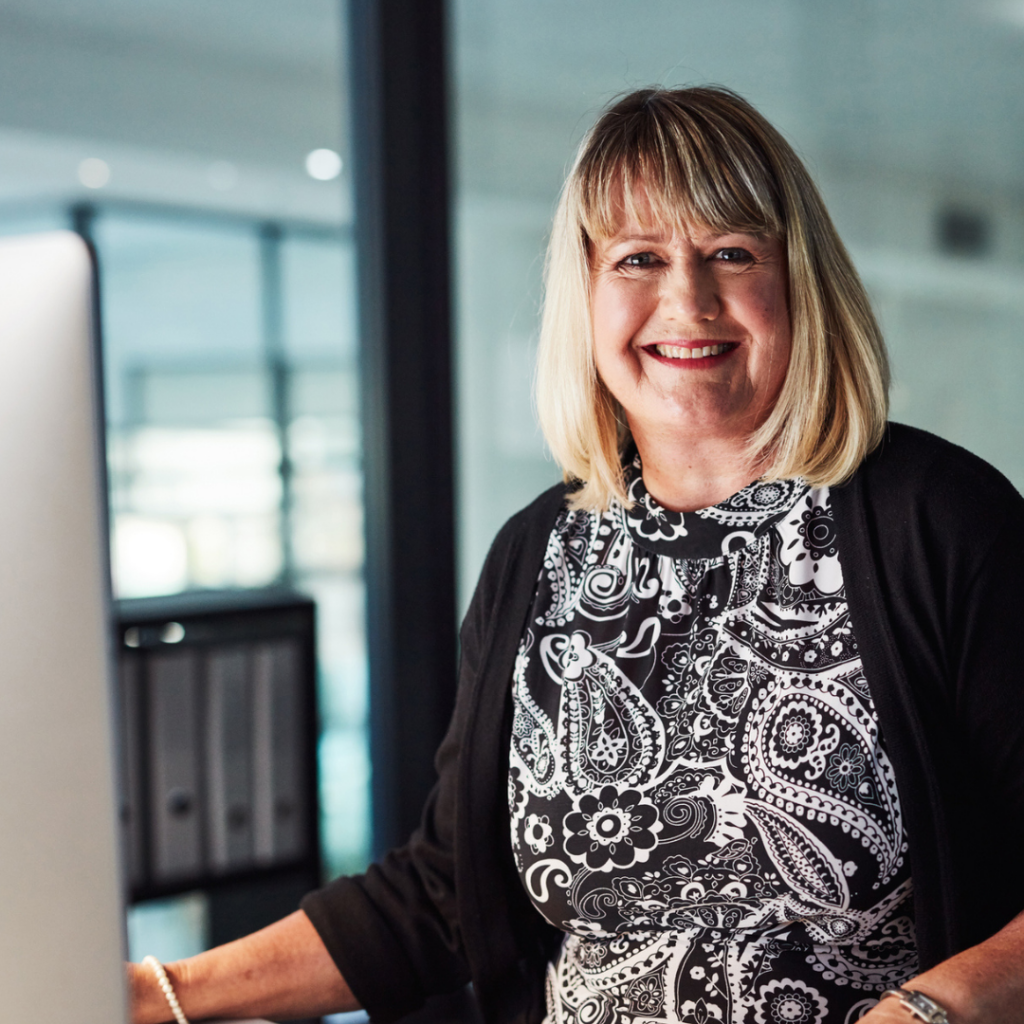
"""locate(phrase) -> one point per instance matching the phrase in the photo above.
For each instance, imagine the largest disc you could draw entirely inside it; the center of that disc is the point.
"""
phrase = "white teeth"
(678, 352)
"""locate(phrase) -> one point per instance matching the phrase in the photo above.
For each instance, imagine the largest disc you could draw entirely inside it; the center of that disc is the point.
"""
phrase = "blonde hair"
(706, 156)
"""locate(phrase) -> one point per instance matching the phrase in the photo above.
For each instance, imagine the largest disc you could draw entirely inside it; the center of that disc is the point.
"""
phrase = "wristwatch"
(921, 1006)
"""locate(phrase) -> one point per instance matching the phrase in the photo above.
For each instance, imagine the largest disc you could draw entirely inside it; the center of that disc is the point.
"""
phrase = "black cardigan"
(932, 548)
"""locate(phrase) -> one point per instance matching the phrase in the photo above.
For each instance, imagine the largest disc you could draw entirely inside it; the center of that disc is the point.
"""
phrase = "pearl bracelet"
(168, 989)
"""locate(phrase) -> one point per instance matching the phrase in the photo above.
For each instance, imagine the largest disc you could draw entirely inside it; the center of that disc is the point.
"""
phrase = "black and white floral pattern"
(698, 790)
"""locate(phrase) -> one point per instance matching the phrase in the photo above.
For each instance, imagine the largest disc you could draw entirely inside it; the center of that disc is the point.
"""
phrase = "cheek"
(770, 309)
(618, 314)
(775, 352)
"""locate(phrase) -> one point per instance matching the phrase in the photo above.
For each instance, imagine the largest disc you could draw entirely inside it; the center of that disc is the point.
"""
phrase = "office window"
(326, 524)
(908, 114)
(204, 148)
(193, 452)
(233, 441)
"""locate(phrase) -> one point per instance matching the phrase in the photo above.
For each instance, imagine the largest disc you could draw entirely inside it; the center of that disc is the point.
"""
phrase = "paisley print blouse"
(699, 794)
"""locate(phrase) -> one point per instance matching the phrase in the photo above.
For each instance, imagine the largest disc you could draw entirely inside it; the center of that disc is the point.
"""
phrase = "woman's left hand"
(891, 1011)
(981, 985)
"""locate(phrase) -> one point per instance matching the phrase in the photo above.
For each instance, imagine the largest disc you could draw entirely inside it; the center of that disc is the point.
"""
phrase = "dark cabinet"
(218, 741)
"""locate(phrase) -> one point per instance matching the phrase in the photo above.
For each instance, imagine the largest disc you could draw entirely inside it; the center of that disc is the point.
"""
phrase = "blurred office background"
(205, 147)
(202, 147)
(908, 113)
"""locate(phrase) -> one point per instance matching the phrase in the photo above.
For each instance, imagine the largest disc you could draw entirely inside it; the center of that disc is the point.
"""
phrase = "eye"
(638, 259)
(733, 255)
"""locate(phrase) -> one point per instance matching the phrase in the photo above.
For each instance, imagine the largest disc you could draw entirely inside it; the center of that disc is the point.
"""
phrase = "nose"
(690, 292)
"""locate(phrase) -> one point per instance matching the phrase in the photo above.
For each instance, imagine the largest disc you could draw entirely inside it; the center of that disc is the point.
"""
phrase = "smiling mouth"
(692, 351)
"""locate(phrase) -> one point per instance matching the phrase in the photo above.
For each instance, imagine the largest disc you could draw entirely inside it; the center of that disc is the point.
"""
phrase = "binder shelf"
(218, 740)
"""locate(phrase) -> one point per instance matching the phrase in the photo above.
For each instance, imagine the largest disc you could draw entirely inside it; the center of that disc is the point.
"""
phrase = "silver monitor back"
(61, 914)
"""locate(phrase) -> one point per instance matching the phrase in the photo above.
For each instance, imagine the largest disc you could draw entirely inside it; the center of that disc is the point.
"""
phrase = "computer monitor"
(61, 911)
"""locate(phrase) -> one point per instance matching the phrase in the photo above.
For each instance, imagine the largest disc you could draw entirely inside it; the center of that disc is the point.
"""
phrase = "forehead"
(633, 231)
(646, 225)
(625, 200)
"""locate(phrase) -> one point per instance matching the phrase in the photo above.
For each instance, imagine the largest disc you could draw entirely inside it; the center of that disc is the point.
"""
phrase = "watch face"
(921, 1006)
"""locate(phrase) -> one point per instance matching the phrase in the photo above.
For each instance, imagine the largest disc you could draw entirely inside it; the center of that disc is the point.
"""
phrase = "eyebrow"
(615, 239)
(619, 239)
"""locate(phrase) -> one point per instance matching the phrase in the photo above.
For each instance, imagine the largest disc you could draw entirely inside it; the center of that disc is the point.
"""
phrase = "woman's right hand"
(283, 971)
(145, 997)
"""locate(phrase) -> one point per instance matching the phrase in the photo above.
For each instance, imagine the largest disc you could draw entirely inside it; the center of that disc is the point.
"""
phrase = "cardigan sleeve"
(988, 675)
(972, 555)
(946, 560)
(934, 567)
(394, 931)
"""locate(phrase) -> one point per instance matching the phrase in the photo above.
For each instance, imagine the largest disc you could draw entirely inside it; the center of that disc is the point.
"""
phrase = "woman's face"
(691, 329)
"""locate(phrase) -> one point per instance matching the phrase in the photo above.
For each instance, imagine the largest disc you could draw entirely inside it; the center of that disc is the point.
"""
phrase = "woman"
(736, 736)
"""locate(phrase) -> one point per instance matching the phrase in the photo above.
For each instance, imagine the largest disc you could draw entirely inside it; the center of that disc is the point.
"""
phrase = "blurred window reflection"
(194, 457)
(233, 442)
(226, 273)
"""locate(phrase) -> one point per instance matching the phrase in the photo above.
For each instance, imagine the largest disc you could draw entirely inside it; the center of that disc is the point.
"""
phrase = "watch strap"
(921, 1006)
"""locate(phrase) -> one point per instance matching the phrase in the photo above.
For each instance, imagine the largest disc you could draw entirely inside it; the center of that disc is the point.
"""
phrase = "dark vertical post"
(400, 169)
(278, 371)
(83, 215)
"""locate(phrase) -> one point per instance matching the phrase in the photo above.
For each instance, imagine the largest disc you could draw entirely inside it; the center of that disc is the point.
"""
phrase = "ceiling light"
(323, 164)
(94, 172)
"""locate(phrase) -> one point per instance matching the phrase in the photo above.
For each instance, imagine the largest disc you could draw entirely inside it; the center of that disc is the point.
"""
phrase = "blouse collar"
(710, 532)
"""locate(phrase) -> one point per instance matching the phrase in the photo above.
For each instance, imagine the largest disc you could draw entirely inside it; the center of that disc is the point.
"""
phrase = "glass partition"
(234, 445)
(205, 148)
(195, 491)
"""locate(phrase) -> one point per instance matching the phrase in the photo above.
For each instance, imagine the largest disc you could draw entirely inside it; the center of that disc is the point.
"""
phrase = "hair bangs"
(665, 162)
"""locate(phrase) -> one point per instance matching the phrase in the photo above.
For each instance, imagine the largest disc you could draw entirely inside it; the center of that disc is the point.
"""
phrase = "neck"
(687, 475)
